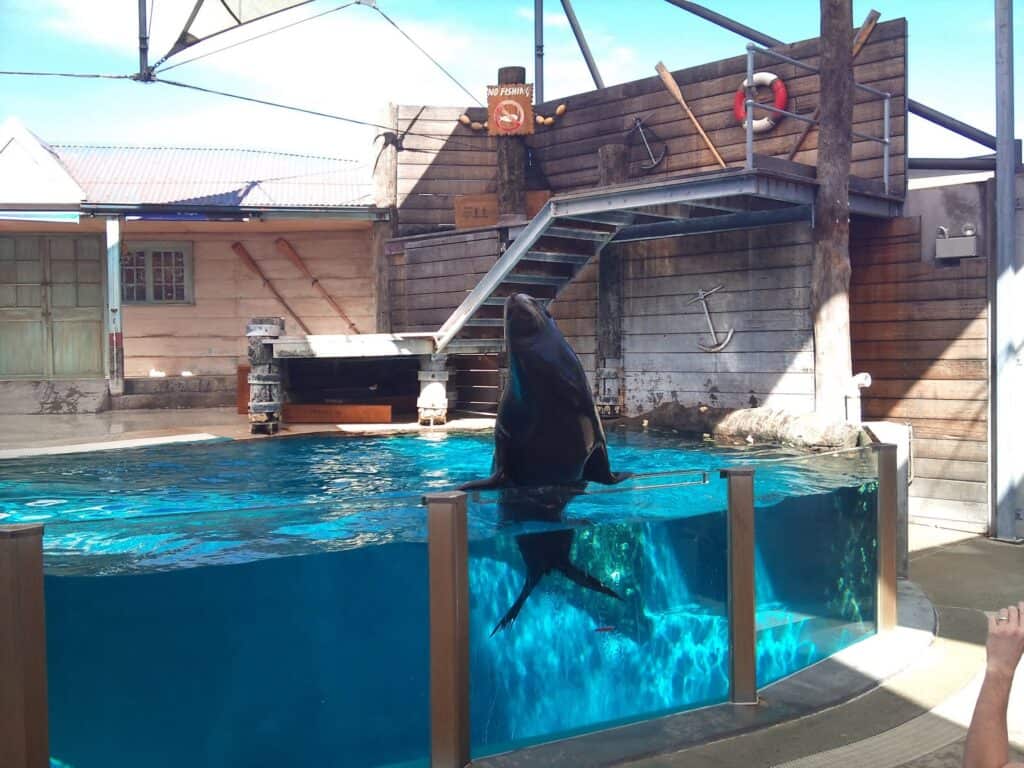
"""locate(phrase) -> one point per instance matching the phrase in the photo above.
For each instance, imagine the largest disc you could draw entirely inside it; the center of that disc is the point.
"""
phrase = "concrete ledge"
(56, 396)
(830, 682)
(106, 445)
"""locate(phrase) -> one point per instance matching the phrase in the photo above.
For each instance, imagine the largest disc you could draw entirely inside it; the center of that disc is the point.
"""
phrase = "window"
(156, 273)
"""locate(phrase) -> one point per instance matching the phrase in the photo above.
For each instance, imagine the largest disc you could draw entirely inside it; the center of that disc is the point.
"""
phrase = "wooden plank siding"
(765, 298)
(453, 159)
(921, 330)
(207, 336)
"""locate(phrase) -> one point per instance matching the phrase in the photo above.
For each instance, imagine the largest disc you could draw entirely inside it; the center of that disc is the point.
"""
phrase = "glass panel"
(816, 559)
(133, 276)
(268, 636)
(615, 612)
(168, 276)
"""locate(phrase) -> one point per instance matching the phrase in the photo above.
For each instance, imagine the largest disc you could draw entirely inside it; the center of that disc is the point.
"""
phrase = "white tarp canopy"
(208, 18)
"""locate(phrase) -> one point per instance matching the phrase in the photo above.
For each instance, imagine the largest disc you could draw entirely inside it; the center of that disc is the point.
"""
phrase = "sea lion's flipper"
(497, 480)
(532, 580)
(599, 470)
(584, 579)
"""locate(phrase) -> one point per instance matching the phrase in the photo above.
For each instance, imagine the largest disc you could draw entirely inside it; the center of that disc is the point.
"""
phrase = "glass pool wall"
(282, 633)
(317, 659)
(577, 659)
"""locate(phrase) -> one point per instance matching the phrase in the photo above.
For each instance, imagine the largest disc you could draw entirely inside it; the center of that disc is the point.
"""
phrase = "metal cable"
(257, 37)
(315, 113)
(67, 74)
(432, 59)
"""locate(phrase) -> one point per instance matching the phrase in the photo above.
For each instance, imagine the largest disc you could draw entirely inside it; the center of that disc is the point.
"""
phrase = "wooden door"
(51, 307)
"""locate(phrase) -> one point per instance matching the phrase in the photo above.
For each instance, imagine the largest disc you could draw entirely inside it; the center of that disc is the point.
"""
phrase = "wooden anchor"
(718, 346)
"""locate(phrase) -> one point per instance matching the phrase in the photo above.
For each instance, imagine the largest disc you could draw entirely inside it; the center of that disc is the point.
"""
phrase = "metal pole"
(578, 31)
(885, 147)
(144, 73)
(538, 46)
(885, 595)
(24, 730)
(727, 23)
(115, 335)
(750, 108)
(449, 629)
(1008, 365)
(742, 624)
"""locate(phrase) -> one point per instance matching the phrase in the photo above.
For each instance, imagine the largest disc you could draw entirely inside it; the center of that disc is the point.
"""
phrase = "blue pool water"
(265, 603)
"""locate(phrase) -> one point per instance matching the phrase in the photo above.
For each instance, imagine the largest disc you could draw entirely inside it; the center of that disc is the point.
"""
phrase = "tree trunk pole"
(511, 153)
(830, 271)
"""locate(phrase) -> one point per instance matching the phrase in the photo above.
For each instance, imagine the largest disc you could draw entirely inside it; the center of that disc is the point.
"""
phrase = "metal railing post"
(742, 625)
(448, 555)
(750, 107)
(24, 729)
(885, 145)
(887, 506)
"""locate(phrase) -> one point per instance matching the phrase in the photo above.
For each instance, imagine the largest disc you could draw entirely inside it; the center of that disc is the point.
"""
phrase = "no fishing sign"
(510, 109)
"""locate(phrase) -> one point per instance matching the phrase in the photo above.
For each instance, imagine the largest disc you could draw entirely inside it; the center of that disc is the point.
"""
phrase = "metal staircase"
(543, 258)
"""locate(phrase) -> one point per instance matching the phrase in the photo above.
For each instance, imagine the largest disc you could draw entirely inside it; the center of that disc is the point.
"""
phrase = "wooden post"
(115, 334)
(742, 624)
(266, 391)
(449, 630)
(511, 163)
(830, 271)
(613, 168)
(24, 730)
(886, 554)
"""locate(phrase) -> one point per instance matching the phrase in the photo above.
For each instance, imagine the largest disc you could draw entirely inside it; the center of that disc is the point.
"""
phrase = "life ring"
(780, 100)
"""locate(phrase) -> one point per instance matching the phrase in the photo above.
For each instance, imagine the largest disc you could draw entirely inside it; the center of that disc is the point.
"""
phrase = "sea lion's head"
(524, 317)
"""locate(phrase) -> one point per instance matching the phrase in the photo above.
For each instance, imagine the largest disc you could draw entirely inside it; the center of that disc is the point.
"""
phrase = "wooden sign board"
(510, 109)
(482, 210)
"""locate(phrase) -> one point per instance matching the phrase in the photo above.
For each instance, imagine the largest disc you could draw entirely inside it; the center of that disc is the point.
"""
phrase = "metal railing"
(752, 104)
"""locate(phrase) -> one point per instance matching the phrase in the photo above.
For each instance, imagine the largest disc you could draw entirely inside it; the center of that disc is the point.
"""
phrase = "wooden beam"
(511, 156)
(830, 270)
(248, 260)
(293, 256)
(742, 589)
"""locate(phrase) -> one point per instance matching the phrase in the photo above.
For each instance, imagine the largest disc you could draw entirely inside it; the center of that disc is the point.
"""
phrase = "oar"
(673, 87)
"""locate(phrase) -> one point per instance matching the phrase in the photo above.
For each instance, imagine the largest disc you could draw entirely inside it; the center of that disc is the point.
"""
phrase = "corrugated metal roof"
(228, 177)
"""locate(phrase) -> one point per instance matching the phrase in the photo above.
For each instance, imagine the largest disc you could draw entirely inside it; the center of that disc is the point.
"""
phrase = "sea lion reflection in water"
(548, 442)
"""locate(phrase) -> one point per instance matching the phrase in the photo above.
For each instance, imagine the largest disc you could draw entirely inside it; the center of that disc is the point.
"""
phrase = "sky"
(352, 62)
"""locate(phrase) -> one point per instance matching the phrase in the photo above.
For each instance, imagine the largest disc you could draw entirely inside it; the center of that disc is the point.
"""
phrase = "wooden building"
(119, 262)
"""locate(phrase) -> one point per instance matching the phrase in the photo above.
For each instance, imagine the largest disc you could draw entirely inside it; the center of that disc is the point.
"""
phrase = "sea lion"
(547, 437)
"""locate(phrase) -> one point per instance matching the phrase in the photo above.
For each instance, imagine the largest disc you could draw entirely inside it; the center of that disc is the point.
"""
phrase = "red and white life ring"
(780, 100)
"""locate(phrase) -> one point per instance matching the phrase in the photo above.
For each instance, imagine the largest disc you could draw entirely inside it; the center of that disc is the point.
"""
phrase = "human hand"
(1005, 640)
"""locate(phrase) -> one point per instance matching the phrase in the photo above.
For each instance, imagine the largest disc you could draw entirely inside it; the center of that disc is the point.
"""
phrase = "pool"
(266, 603)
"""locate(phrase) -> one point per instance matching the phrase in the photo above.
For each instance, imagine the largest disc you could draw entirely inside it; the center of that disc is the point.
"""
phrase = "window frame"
(148, 247)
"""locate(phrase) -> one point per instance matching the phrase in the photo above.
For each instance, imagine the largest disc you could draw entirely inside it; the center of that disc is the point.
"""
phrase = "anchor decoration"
(649, 140)
(717, 346)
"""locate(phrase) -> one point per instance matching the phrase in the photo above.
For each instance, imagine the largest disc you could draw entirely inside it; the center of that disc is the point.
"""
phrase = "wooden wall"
(429, 277)
(208, 336)
(456, 160)
(920, 330)
(765, 296)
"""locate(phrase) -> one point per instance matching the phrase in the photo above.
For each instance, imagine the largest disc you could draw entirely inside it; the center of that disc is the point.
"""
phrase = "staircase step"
(475, 346)
(535, 280)
(577, 233)
(485, 321)
(558, 257)
(608, 217)
(499, 301)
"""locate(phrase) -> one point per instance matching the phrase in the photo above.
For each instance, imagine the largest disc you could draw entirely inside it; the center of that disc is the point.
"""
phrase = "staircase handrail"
(530, 234)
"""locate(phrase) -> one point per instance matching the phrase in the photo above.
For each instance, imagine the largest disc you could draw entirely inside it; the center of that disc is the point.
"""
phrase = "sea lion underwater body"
(547, 434)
